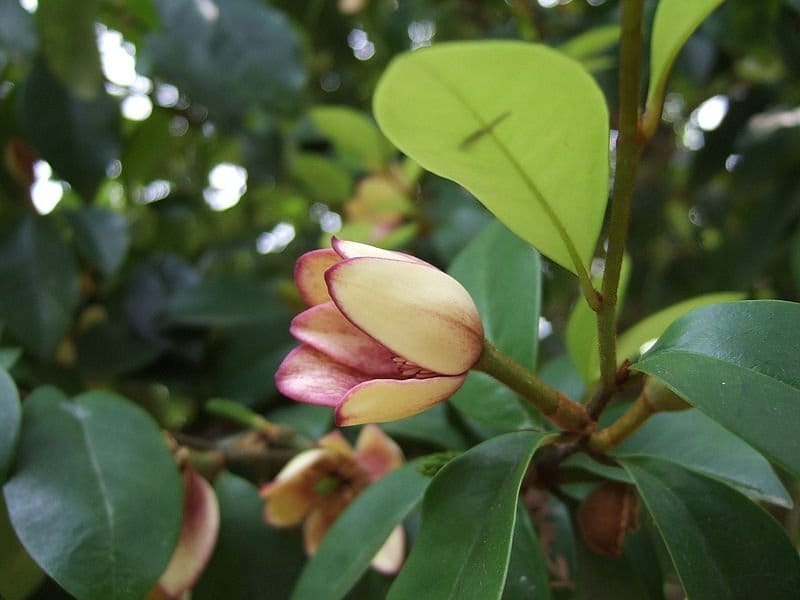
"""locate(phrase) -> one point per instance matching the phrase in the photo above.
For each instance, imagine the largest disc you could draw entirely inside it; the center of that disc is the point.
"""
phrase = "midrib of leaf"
(526, 179)
(104, 493)
(692, 522)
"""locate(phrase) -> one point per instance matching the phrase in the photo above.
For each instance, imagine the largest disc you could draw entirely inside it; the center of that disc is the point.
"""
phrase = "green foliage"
(10, 415)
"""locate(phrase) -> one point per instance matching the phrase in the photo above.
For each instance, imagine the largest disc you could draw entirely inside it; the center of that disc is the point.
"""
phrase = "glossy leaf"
(354, 136)
(38, 284)
(102, 238)
(250, 560)
(722, 544)
(98, 465)
(68, 41)
(19, 575)
(462, 550)
(10, 415)
(498, 260)
(649, 329)
(581, 334)
(78, 137)
(737, 363)
(358, 534)
(527, 577)
(674, 22)
(694, 441)
(511, 122)
(229, 55)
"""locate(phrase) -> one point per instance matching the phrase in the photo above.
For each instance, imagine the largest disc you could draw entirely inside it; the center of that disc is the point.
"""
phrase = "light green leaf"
(250, 559)
(69, 43)
(630, 342)
(722, 544)
(521, 126)
(581, 334)
(354, 136)
(463, 547)
(737, 362)
(38, 284)
(358, 534)
(591, 43)
(527, 577)
(10, 415)
(99, 466)
(695, 442)
(323, 179)
(503, 275)
(674, 22)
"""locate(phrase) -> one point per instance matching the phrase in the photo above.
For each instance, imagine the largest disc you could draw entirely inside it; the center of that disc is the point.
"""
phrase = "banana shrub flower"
(387, 335)
(317, 485)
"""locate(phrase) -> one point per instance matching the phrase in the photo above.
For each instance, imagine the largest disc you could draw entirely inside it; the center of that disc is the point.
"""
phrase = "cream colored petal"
(315, 527)
(309, 271)
(376, 452)
(291, 494)
(382, 400)
(197, 538)
(347, 249)
(420, 313)
(335, 442)
(324, 327)
(390, 557)
(308, 375)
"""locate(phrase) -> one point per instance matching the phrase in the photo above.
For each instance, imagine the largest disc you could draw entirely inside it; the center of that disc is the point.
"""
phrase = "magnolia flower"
(317, 485)
(387, 335)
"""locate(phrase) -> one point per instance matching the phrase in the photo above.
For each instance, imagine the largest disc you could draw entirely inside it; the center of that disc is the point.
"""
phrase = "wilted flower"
(387, 335)
(317, 485)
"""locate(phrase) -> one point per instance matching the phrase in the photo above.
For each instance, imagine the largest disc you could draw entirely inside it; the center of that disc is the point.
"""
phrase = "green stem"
(554, 405)
(628, 149)
(238, 413)
(613, 435)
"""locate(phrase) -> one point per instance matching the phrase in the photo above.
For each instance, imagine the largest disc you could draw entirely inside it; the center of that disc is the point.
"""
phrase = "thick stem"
(613, 435)
(628, 148)
(554, 405)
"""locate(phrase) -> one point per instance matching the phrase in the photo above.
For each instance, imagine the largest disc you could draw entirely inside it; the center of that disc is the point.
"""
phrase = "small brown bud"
(607, 515)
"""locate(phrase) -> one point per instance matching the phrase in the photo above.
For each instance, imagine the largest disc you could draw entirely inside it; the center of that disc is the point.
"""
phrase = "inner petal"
(325, 328)
(309, 271)
(347, 249)
(308, 375)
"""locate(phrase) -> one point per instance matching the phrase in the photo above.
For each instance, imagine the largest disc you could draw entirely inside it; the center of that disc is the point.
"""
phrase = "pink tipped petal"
(197, 538)
(336, 442)
(309, 273)
(384, 400)
(347, 249)
(417, 311)
(307, 375)
(376, 452)
(390, 557)
(323, 327)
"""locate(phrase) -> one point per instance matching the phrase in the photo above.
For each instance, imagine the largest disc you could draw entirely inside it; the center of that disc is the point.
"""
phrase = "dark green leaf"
(722, 544)
(96, 465)
(229, 55)
(109, 349)
(503, 275)
(358, 534)
(10, 415)
(38, 284)
(527, 577)
(435, 426)
(17, 31)
(19, 575)
(102, 237)
(68, 41)
(250, 560)
(468, 515)
(309, 419)
(737, 362)
(9, 357)
(695, 442)
(79, 138)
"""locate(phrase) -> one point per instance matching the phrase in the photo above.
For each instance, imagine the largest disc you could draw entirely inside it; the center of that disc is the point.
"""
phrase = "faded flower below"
(317, 485)
(387, 335)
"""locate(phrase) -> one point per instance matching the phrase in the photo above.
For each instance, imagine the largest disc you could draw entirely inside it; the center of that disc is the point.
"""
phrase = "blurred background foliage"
(164, 162)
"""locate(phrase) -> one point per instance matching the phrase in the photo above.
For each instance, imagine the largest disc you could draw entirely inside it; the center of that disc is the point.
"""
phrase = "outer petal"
(390, 557)
(376, 452)
(197, 538)
(307, 375)
(320, 520)
(384, 400)
(415, 310)
(291, 495)
(336, 442)
(308, 275)
(347, 249)
(323, 327)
